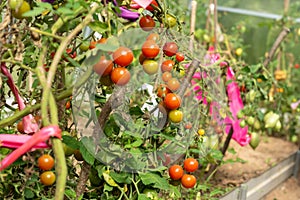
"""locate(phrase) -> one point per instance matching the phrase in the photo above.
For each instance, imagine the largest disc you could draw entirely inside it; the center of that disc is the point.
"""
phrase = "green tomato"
(240, 114)
(21, 10)
(15, 4)
(150, 67)
(256, 125)
(250, 120)
(151, 194)
(68, 150)
(84, 46)
(242, 123)
(254, 142)
(170, 21)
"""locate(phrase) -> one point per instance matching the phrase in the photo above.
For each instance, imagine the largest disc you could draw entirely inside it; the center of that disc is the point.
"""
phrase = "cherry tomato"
(179, 57)
(153, 36)
(120, 76)
(162, 90)
(15, 4)
(150, 66)
(47, 178)
(142, 58)
(188, 125)
(20, 127)
(123, 56)
(94, 43)
(166, 76)
(167, 65)
(172, 101)
(18, 13)
(190, 164)
(170, 49)
(170, 21)
(84, 46)
(104, 66)
(173, 84)
(46, 162)
(147, 23)
(150, 8)
(188, 181)
(175, 172)
(68, 104)
(150, 49)
(201, 131)
(175, 116)
(71, 53)
(68, 150)
(296, 66)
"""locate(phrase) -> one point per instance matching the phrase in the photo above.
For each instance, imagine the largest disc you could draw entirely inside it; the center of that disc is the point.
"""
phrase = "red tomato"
(167, 65)
(47, 178)
(188, 125)
(296, 66)
(179, 57)
(173, 84)
(94, 43)
(120, 76)
(175, 172)
(172, 101)
(170, 49)
(150, 49)
(166, 76)
(147, 23)
(46, 162)
(190, 164)
(162, 90)
(142, 58)
(188, 181)
(123, 56)
(71, 53)
(68, 104)
(103, 67)
(150, 8)
(153, 36)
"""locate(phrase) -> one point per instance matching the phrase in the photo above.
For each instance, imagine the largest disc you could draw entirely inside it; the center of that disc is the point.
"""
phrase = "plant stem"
(45, 33)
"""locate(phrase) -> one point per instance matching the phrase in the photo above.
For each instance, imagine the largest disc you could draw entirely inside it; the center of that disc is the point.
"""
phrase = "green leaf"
(98, 26)
(71, 194)
(121, 177)
(232, 151)
(71, 142)
(28, 193)
(136, 111)
(255, 68)
(86, 148)
(143, 197)
(136, 143)
(157, 181)
(32, 13)
(108, 179)
(107, 188)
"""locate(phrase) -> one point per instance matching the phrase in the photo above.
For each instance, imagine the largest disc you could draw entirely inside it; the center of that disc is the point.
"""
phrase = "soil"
(269, 152)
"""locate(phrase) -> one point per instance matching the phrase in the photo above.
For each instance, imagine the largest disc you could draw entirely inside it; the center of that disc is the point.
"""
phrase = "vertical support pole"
(297, 163)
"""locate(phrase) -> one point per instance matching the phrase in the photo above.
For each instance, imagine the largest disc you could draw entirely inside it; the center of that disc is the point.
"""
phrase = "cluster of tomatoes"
(176, 172)
(46, 163)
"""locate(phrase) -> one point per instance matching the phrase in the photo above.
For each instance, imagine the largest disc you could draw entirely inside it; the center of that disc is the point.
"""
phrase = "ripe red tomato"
(172, 101)
(167, 65)
(71, 53)
(170, 49)
(153, 36)
(162, 90)
(150, 66)
(46, 162)
(142, 58)
(150, 8)
(68, 104)
(190, 164)
(166, 76)
(120, 76)
(150, 49)
(47, 178)
(123, 56)
(175, 172)
(147, 23)
(179, 57)
(296, 66)
(188, 181)
(188, 125)
(175, 116)
(94, 43)
(103, 67)
(173, 84)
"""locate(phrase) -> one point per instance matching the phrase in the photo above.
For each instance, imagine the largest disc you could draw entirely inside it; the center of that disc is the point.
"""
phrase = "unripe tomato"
(84, 46)
(172, 101)
(68, 150)
(147, 23)
(201, 131)
(46, 162)
(188, 181)
(175, 172)
(250, 120)
(150, 66)
(170, 21)
(170, 49)
(175, 116)
(120, 76)
(104, 66)
(167, 66)
(190, 164)
(173, 84)
(166, 76)
(239, 51)
(15, 4)
(150, 49)
(47, 178)
(18, 13)
(123, 56)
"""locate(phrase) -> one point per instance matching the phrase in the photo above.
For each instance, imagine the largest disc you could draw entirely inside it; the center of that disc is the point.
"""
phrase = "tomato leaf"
(157, 181)
(86, 149)
(71, 142)
(136, 111)
(121, 177)
(98, 26)
(142, 197)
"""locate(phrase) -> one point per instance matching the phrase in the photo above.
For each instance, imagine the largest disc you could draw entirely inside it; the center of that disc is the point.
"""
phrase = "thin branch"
(285, 31)
(193, 22)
